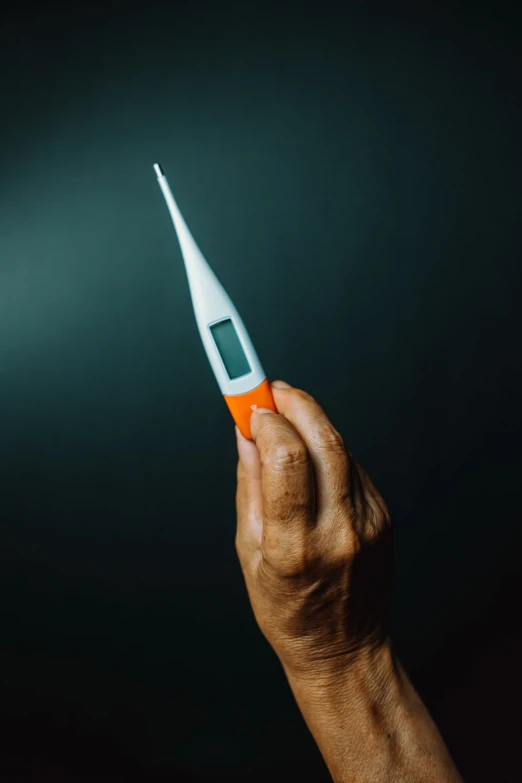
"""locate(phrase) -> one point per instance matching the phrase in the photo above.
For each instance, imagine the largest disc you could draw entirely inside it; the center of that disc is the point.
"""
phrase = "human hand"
(314, 543)
(313, 539)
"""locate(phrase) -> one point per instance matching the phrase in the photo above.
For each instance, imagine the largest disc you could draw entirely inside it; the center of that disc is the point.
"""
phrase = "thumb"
(249, 499)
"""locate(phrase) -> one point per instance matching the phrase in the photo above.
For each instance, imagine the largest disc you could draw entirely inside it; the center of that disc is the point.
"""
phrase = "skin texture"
(314, 540)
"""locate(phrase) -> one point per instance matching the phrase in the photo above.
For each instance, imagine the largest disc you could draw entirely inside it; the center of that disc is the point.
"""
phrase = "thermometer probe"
(230, 352)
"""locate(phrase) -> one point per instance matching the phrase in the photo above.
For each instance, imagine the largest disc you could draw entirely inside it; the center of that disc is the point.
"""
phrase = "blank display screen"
(230, 350)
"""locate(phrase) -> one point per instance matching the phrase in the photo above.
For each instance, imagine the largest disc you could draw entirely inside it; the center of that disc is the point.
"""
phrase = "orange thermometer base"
(239, 405)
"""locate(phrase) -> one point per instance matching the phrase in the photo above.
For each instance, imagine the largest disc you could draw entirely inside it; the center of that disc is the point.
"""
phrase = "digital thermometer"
(230, 352)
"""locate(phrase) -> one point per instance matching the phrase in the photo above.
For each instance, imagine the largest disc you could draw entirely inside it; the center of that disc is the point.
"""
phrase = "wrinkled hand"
(313, 539)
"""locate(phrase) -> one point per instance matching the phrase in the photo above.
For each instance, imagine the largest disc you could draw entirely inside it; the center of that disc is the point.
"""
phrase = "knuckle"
(344, 544)
(378, 517)
(292, 561)
(377, 513)
(291, 454)
(331, 439)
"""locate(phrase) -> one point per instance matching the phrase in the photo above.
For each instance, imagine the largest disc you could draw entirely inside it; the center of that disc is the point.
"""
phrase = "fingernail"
(281, 385)
(255, 409)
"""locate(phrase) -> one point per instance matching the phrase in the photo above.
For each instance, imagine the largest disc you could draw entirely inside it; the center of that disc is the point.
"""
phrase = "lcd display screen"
(230, 350)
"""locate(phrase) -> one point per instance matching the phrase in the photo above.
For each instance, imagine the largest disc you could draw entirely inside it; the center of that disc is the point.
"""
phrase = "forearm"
(371, 726)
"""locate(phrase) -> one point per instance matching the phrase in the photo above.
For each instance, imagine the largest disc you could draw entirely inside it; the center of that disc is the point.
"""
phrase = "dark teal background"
(353, 178)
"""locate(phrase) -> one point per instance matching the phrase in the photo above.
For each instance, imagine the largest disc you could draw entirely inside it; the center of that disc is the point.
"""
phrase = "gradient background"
(353, 177)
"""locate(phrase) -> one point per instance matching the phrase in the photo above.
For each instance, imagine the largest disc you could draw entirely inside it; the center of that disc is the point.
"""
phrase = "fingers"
(286, 491)
(295, 468)
(324, 443)
(249, 500)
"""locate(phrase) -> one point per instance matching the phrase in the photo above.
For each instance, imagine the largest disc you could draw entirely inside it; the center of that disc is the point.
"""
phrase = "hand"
(313, 539)
(314, 543)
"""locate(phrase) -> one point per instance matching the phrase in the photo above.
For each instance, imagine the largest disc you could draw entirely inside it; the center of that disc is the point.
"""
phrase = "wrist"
(370, 674)
(354, 714)
(370, 723)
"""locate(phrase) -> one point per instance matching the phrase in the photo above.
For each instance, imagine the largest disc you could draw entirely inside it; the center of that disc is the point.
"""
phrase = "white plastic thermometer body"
(229, 349)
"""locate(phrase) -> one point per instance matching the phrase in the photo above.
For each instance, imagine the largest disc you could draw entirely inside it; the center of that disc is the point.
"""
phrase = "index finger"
(329, 456)
(287, 484)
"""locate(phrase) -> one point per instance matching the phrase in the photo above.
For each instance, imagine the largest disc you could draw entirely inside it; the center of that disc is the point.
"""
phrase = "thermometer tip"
(158, 170)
